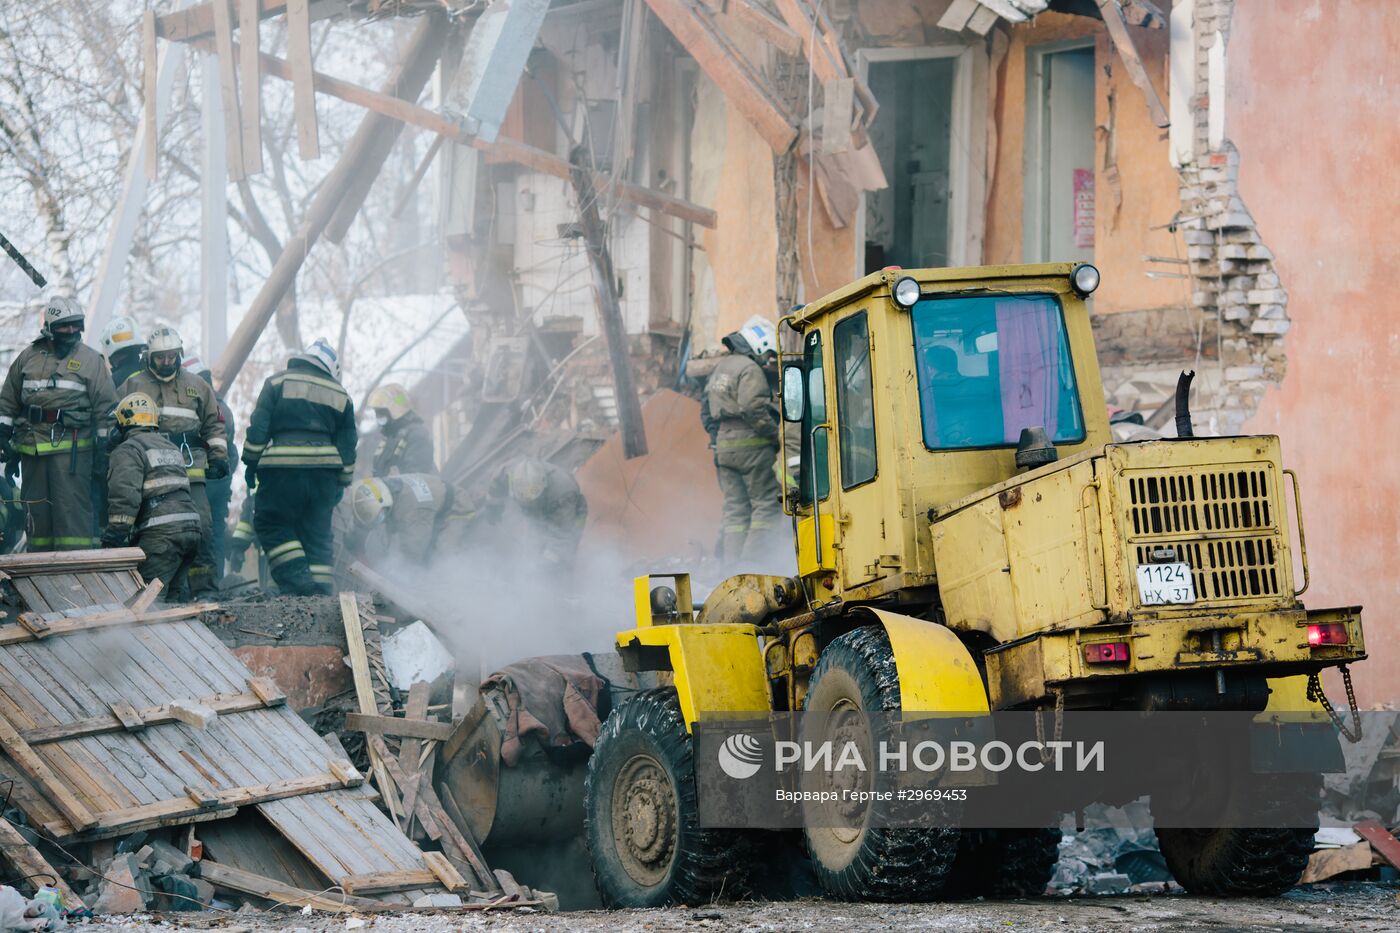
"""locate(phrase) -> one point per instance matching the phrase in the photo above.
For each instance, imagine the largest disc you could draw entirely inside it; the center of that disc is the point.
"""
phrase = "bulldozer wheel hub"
(644, 819)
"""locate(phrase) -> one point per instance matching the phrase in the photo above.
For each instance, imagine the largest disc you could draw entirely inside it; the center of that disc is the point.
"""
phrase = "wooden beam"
(143, 598)
(407, 79)
(387, 882)
(364, 692)
(755, 18)
(303, 80)
(447, 875)
(742, 86)
(32, 562)
(57, 624)
(958, 13)
(250, 85)
(503, 149)
(394, 726)
(29, 864)
(462, 730)
(198, 800)
(197, 22)
(150, 69)
(1132, 61)
(34, 768)
(246, 882)
(125, 718)
(228, 88)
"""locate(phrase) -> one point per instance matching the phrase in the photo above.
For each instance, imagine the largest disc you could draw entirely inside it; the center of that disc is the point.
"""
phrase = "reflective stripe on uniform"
(72, 384)
(6, 419)
(316, 391)
(322, 573)
(70, 542)
(746, 442)
(243, 531)
(164, 456)
(121, 519)
(250, 448)
(171, 411)
(165, 482)
(47, 447)
(170, 519)
(218, 442)
(287, 550)
(195, 473)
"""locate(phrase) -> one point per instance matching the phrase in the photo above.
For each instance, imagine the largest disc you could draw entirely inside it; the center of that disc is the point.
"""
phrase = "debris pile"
(1115, 852)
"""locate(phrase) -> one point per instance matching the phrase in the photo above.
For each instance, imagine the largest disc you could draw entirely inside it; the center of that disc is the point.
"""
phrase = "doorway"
(1059, 206)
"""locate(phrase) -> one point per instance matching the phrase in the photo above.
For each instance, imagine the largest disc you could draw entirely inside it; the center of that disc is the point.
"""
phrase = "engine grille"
(1223, 523)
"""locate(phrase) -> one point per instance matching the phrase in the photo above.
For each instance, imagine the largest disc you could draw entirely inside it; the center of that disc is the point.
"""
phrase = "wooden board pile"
(122, 722)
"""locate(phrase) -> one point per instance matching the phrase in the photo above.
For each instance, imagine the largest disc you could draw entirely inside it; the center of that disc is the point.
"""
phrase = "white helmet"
(369, 499)
(164, 339)
(60, 309)
(323, 355)
(758, 333)
(120, 333)
(527, 480)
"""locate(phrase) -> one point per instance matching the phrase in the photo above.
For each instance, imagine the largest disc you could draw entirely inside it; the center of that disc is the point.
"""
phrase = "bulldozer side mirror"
(794, 397)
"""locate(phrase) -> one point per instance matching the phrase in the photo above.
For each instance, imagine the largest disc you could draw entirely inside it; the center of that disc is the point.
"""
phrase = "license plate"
(1166, 584)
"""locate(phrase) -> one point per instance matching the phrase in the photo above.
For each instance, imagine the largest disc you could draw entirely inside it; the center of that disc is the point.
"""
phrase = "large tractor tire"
(1003, 863)
(1236, 862)
(856, 673)
(640, 813)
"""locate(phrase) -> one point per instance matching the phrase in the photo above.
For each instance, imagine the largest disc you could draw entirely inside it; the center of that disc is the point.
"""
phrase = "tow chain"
(1046, 756)
(1315, 694)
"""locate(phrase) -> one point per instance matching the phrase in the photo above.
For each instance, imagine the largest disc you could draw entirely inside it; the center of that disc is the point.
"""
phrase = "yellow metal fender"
(717, 669)
(936, 671)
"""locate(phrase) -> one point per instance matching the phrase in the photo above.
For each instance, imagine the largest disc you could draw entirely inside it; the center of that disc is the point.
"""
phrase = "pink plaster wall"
(1313, 104)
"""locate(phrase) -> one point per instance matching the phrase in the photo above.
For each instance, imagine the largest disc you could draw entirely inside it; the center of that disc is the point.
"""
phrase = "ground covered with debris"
(1353, 906)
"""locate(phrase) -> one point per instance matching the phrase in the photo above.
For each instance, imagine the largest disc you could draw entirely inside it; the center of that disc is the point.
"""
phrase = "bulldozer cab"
(912, 390)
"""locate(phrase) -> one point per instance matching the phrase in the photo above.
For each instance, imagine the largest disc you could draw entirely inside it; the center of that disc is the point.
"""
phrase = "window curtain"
(1028, 366)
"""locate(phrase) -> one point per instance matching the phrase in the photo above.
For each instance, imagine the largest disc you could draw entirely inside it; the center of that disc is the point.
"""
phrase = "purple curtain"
(1029, 363)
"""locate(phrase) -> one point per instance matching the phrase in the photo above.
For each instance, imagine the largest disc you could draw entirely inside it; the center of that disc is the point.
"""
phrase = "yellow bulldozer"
(969, 538)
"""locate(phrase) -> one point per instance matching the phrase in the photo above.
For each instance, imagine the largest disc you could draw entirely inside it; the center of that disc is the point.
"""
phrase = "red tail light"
(1106, 652)
(1328, 633)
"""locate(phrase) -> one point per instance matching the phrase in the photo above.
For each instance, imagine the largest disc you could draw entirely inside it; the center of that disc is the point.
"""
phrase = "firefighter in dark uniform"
(220, 491)
(190, 419)
(741, 417)
(243, 536)
(405, 444)
(148, 495)
(124, 348)
(55, 416)
(300, 453)
(422, 518)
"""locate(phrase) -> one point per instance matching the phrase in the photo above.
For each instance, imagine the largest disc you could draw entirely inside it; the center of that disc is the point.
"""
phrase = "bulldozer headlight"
(906, 292)
(1084, 278)
(1328, 633)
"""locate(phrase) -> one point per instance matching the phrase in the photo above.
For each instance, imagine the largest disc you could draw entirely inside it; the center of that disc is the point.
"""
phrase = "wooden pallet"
(100, 697)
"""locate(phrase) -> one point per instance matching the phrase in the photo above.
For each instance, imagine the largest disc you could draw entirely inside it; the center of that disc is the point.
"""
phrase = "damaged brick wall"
(1233, 277)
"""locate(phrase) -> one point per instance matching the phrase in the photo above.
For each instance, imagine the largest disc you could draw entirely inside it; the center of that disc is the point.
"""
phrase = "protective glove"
(116, 536)
(216, 469)
(250, 475)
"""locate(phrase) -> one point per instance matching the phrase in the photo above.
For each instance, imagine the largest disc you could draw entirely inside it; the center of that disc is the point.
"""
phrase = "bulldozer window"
(989, 366)
(815, 470)
(855, 401)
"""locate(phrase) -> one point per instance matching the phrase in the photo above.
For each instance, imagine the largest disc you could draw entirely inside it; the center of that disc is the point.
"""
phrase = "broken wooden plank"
(145, 597)
(198, 800)
(958, 13)
(34, 624)
(197, 22)
(398, 727)
(415, 710)
(250, 84)
(150, 68)
(463, 729)
(34, 768)
(303, 79)
(228, 88)
(247, 882)
(388, 882)
(267, 691)
(364, 694)
(743, 87)
(345, 772)
(135, 719)
(982, 21)
(1132, 60)
(504, 148)
(447, 875)
(59, 624)
(30, 864)
(759, 21)
(1384, 844)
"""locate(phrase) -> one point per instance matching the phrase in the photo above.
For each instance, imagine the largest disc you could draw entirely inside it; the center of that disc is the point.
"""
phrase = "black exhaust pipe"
(1183, 403)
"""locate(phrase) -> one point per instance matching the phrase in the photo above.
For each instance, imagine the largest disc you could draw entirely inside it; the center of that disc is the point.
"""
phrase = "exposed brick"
(1260, 251)
(1198, 237)
(1233, 251)
(1264, 326)
(1266, 296)
(1267, 280)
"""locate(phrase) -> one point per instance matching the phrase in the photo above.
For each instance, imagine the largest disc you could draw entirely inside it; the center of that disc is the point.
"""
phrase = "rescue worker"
(220, 491)
(148, 495)
(405, 445)
(300, 454)
(421, 517)
(190, 419)
(55, 417)
(124, 348)
(546, 498)
(243, 536)
(741, 417)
